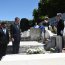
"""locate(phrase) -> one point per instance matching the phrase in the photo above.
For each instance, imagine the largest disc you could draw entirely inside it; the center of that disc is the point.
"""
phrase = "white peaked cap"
(59, 14)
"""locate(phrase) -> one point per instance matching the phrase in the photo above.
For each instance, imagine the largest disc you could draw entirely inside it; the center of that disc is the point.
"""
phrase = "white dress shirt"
(4, 30)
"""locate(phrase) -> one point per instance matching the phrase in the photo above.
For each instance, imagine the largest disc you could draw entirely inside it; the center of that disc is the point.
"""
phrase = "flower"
(35, 50)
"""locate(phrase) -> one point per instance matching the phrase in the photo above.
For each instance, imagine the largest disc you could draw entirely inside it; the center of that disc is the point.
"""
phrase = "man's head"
(46, 19)
(58, 17)
(3, 24)
(17, 20)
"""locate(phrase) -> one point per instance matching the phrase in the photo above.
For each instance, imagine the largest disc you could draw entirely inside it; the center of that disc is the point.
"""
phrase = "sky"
(9, 9)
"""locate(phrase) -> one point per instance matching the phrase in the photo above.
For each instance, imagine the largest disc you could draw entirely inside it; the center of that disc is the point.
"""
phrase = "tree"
(51, 7)
(36, 16)
(24, 24)
(31, 23)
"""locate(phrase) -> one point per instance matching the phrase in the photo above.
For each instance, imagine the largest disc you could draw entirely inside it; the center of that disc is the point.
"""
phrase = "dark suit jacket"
(60, 26)
(15, 32)
(1, 35)
(5, 37)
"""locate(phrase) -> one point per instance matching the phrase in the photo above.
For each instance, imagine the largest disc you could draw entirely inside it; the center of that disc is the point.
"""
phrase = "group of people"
(59, 25)
(15, 34)
(15, 37)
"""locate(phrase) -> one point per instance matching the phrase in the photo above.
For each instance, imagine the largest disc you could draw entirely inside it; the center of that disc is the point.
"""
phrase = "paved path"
(36, 59)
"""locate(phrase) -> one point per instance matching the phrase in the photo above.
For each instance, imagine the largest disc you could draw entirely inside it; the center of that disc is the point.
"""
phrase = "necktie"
(18, 26)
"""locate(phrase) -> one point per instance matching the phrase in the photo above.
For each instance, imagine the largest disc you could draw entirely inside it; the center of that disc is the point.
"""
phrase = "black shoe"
(0, 58)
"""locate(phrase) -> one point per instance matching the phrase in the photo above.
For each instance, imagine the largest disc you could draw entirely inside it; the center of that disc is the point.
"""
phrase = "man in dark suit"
(4, 39)
(15, 35)
(60, 26)
(1, 40)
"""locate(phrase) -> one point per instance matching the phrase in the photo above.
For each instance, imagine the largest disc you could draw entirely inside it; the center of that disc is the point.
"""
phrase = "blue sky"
(9, 9)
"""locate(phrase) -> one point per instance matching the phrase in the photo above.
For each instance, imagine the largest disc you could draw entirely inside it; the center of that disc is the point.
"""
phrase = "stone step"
(34, 59)
(24, 46)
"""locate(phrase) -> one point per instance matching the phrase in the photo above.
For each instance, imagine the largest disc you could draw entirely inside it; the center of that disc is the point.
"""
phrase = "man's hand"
(12, 39)
(61, 32)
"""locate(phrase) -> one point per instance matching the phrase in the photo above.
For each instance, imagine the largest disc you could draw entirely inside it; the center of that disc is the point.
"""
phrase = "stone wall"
(35, 33)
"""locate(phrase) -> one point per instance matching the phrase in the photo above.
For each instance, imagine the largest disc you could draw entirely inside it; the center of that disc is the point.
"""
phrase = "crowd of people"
(15, 33)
